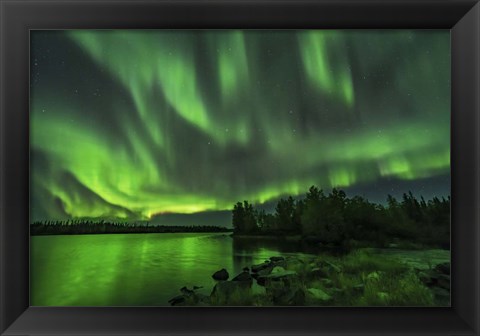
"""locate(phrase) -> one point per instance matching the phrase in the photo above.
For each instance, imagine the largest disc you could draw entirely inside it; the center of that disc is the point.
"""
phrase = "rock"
(261, 280)
(244, 277)
(221, 275)
(203, 299)
(283, 287)
(189, 297)
(281, 275)
(259, 267)
(287, 277)
(443, 268)
(223, 291)
(260, 276)
(265, 271)
(177, 301)
(183, 300)
(319, 295)
(185, 291)
(278, 269)
(279, 262)
(276, 259)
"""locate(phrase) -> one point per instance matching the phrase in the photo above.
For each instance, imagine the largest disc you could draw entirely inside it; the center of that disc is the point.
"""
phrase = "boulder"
(286, 277)
(261, 280)
(203, 299)
(244, 277)
(262, 273)
(282, 263)
(189, 297)
(224, 291)
(265, 271)
(185, 291)
(259, 267)
(178, 301)
(278, 269)
(221, 275)
(281, 275)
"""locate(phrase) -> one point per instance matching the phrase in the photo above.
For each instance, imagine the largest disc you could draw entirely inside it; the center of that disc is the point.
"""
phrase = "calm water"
(136, 269)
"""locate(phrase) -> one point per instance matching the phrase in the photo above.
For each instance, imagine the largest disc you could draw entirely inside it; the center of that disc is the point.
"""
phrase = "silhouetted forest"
(92, 227)
(335, 219)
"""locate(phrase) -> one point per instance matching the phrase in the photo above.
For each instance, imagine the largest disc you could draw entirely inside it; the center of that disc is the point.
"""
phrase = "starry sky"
(175, 126)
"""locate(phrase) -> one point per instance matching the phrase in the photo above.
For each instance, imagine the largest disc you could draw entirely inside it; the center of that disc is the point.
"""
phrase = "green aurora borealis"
(131, 124)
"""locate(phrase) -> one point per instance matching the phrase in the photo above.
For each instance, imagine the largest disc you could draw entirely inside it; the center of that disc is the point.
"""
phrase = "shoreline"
(268, 237)
(360, 278)
(108, 233)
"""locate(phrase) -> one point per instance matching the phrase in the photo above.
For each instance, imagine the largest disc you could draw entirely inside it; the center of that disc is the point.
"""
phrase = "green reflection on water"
(131, 270)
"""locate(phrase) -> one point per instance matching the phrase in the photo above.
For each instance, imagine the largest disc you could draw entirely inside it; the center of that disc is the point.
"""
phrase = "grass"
(360, 278)
(240, 297)
(369, 279)
(362, 261)
(393, 291)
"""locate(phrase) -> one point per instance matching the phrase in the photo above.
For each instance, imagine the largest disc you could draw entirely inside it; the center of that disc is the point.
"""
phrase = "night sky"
(163, 125)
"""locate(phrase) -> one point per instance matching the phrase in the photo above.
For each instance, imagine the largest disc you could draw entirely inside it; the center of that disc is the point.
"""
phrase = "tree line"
(92, 227)
(336, 219)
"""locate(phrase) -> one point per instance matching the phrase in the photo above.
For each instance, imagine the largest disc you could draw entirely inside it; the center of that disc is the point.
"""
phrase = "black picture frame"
(17, 17)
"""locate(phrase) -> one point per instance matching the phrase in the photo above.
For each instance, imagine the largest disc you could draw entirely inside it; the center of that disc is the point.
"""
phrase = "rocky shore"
(311, 281)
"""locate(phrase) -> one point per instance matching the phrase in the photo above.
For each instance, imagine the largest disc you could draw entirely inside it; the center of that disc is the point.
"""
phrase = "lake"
(137, 269)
